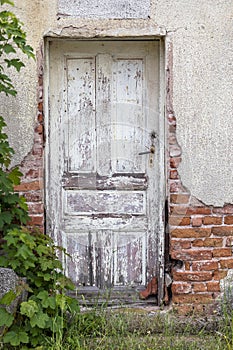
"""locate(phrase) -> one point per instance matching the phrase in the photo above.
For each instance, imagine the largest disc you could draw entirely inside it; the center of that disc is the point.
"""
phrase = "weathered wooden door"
(105, 161)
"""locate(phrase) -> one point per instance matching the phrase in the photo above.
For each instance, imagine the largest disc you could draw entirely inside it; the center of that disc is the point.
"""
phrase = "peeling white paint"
(103, 194)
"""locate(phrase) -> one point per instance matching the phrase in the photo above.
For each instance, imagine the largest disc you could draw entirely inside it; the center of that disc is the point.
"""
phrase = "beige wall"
(201, 33)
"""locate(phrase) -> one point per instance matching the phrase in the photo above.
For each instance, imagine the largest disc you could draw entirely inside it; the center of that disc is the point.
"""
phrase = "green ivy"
(47, 310)
(13, 208)
(12, 39)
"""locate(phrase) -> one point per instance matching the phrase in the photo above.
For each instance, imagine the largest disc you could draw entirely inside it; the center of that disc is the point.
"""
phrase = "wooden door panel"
(106, 258)
(128, 126)
(81, 114)
(103, 182)
(104, 202)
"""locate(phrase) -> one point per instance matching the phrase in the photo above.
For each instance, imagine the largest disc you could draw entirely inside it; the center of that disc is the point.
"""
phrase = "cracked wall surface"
(198, 72)
(201, 34)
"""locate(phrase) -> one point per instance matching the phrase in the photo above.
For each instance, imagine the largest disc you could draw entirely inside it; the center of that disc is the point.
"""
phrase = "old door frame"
(162, 141)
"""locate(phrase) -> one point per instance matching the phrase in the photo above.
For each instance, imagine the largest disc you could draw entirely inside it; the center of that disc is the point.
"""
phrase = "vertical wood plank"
(81, 114)
(103, 112)
(128, 126)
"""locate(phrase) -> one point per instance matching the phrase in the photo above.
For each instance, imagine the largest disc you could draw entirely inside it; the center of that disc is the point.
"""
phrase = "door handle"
(150, 151)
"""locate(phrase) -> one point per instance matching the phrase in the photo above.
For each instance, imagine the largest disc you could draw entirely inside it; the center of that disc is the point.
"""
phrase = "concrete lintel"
(85, 32)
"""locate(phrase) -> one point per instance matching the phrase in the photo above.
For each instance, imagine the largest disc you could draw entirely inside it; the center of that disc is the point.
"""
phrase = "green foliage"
(12, 39)
(13, 208)
(47, 310)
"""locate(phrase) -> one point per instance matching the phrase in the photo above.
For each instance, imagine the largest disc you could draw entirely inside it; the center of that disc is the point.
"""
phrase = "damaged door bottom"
(124, 295)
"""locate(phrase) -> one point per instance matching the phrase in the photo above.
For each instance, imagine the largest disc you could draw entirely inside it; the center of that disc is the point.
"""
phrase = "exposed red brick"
(181, 288)
(212, 220)
(213, 242)
(172, 139)
(32, 174)
(222, 230)
(205, 265)
(228, 220)
(192, 254)
(198, 243)
(196, 221)
(40, 117)
(175, 186)
(171, 118)
(29, 186)
(198, 210)
(193, 298)
(172, 128)
(190, 232)
(199, 287)
(213, 286)
(219, 274)
(174, 174)
(37, 151)
(179, 198)
(33, 196)
(36, 220)
(187, 265)
(174, 162)
(39, 128)
(178, 210)
(222, 252)
(179, 220)
(40, 106)
(179, 244)
(192, 276)
(227, 209)
(35, 208)
(226, 264)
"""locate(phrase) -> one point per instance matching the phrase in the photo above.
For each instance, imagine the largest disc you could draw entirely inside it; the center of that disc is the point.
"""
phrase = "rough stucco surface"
(105, 8)
(201, 33)
(203, 72)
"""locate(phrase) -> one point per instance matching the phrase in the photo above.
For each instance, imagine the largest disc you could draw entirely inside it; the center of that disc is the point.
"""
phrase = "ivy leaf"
(6, 2)
(14, 176)
(6, 319)
(7, 48)
(40, 320)
(29, 308)
(8, 298)
(25, 252)
(45, 276)
(15, 62)
(6, 217)
(46, 300)
(16, 338)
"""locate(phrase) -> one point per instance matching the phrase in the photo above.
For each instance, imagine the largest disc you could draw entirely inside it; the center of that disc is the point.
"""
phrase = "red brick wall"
(32, 167)
(200, 236)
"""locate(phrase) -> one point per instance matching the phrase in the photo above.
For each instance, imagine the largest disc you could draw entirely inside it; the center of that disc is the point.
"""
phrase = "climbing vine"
(45, 310)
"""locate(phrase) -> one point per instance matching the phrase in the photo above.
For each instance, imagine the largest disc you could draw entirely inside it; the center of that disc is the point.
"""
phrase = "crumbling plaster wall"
(201, 34)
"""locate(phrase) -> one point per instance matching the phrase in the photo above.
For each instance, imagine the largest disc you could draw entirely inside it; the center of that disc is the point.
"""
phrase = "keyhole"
(153, 135)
